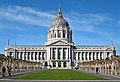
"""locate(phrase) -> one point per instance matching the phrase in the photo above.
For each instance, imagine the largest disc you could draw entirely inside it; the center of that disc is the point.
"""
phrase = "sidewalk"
(17, 74)
(109, 77)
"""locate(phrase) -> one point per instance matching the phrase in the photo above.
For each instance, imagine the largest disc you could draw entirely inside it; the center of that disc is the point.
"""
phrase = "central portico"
(60, 43)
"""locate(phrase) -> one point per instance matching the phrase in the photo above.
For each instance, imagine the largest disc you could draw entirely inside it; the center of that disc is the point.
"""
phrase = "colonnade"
(31, 56)
(60, 53)
(90, 56)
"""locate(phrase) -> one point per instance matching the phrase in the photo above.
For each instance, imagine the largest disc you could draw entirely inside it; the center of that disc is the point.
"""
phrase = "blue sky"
(93, 22)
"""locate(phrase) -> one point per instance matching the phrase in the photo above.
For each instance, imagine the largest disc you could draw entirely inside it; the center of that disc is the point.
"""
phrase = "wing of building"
(59, 51)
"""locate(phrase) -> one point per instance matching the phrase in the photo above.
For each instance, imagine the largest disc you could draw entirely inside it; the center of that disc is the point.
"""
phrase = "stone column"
(62, 34)
(88, 55)
(84, 55)
(91, 56)
(99, 55)
(62, 64)
(40, 55)
(23, 56)
(56, 34)
(66, 34)
(80, 56)
(95, 55)
(19, 55)
(34, 56)
(76, 56)
(56, 64)
(102, 55)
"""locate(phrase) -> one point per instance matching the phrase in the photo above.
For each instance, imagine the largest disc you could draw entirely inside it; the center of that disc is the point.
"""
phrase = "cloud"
(86, 22)
(77, 21)
(27, 15)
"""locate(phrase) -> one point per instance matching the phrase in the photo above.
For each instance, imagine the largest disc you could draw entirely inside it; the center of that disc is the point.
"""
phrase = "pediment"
(10, 49)
(108, 49)
(59, 43)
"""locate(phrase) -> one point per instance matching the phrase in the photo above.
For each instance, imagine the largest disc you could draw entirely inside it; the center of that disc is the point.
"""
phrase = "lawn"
(59, 74)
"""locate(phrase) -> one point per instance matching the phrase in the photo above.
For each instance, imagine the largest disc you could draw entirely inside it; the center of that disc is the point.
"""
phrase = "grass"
(59, 74)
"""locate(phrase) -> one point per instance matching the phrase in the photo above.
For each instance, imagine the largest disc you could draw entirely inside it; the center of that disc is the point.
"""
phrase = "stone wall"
(109, 65)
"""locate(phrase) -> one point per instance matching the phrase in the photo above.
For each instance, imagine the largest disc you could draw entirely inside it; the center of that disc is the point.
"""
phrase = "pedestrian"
(3, 71)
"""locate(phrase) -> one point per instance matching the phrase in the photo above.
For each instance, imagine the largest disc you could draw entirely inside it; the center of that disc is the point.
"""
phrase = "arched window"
(59, 64)
(54, 64)
(51, 35)
(59, 34)
(55, 35)
(64, 64)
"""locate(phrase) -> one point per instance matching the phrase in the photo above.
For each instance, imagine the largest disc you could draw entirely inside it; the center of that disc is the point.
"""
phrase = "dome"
(59, 21)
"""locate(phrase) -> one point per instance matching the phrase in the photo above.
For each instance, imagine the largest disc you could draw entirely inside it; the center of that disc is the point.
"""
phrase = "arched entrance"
(46, 64)
(59, 64)
(97, 70)
(54, 64)
(64, 64)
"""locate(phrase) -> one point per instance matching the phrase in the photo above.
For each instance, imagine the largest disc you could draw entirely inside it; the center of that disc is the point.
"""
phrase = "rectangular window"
(59, 54)
(32, 55)
(53, 57)
(64, 33)
(64, 53)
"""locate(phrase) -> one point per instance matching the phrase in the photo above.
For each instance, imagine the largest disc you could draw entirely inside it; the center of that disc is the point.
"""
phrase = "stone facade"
(59, 52)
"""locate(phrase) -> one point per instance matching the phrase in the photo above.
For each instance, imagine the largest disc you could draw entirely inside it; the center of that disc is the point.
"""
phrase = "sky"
(93, 22)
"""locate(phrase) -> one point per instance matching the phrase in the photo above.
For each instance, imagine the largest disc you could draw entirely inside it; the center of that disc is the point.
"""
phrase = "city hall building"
(59, 52)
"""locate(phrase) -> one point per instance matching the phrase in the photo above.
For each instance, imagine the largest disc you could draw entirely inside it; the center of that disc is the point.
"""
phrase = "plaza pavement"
(109, 77)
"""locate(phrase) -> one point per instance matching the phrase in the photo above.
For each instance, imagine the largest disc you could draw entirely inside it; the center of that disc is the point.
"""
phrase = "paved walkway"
(17, 74)
(109, 77)
(59, 80)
